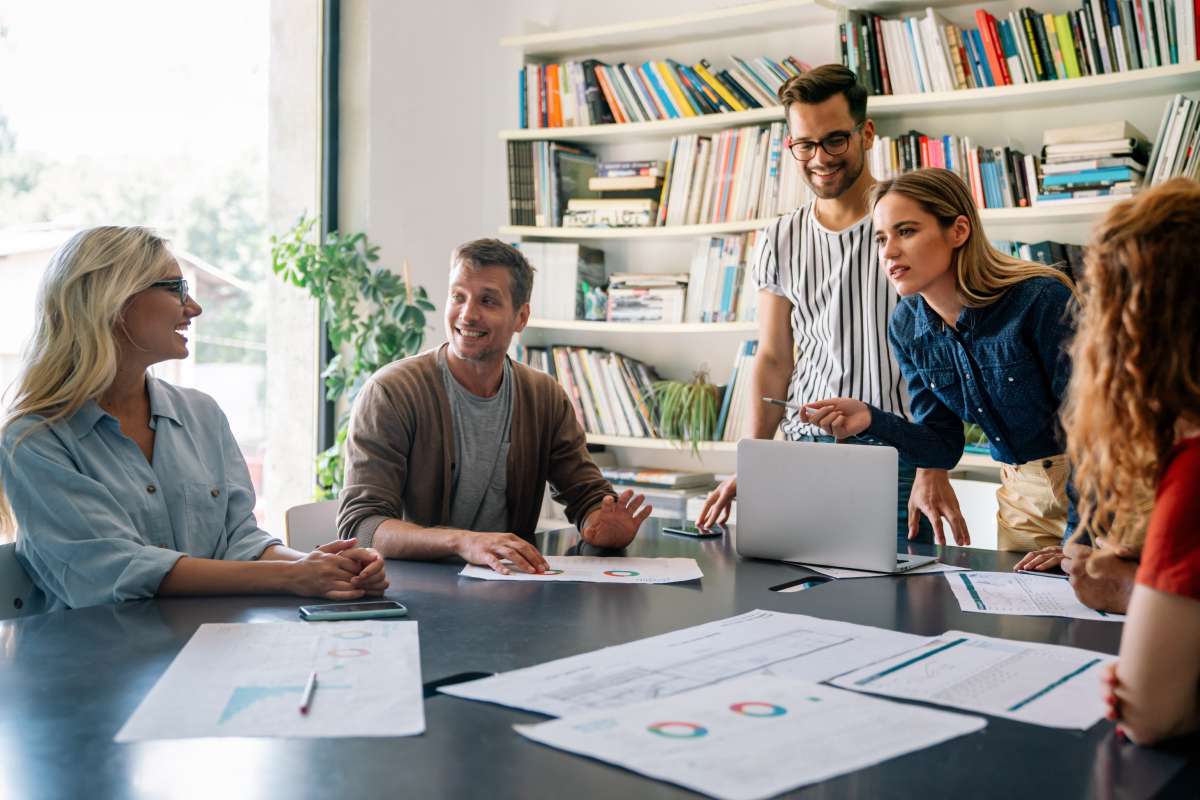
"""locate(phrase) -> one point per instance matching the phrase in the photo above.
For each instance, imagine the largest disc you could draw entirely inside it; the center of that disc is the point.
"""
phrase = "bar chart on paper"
(249, 680)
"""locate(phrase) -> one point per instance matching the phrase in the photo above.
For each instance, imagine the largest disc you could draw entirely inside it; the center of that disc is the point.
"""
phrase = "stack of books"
(594, 93)
(738, 395)
(928, 54)
(564, 273)
(999, 177)
(628, 176)
(720, 286)
(664, 478)
(611, 393)
(542, 177)
(1090, 161)
(1177, 146)
(646, 297)
(733, 175)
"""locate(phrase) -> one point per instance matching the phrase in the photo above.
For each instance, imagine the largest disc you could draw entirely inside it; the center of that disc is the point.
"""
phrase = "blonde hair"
(72, 356)
(1136, 355)
(981, 272)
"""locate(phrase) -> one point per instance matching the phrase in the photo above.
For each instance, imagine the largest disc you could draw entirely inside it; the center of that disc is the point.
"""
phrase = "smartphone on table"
(688, 529)
(369, 609)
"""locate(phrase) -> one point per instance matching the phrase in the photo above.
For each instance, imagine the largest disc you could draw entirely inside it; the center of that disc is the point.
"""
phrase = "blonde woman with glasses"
(980, 337)
(121, 485)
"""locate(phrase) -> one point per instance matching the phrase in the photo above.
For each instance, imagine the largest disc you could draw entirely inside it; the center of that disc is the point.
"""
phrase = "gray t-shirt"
(478, 477)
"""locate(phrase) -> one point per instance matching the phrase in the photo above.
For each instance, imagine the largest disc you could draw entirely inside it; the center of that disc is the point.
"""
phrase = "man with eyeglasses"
(823, 301)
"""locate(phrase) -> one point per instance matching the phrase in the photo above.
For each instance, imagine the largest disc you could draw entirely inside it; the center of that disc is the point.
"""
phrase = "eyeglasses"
(177, 285)
(834, 144)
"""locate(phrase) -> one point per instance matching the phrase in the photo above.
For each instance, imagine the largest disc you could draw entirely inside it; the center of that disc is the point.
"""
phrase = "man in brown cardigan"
(449, 451)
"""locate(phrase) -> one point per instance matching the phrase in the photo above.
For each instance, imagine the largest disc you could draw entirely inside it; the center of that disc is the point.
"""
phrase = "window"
(157, 114)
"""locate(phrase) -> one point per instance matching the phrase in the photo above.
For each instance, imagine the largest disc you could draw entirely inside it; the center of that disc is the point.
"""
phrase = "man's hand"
(493, 549)
(1103, 577)
(717, 504)
(841, 417)
(933, 496)
(615, 523)
(1042, 560)
(371, 577)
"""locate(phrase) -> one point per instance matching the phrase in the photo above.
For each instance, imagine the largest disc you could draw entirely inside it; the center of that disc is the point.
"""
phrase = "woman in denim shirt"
(123, 486)
(980, 337)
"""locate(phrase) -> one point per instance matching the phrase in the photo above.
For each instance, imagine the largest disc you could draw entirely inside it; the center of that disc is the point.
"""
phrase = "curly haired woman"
(1133, 426)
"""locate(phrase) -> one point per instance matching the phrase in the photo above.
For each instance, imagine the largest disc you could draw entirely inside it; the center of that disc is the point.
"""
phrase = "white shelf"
(642, 327)
(1109, 88)
(664, 232)
(721, 23)
(1068, 212)
(660, 444)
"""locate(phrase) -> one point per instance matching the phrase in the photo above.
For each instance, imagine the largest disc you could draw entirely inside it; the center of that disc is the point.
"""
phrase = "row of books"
(999, 177)
(542, 177)
(611, 393)
(1067, 257)
(563, 274)
(732, 175)
(594, 93)
(1177, 145)
(738, 395)
(720, 287)
(647, 297)
(927, 53)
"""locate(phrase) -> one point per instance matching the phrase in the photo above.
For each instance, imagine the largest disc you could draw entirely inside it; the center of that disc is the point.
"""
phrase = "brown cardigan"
(400, 449)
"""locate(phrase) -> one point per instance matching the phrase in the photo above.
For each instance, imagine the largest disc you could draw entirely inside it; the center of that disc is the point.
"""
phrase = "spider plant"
(687, 412)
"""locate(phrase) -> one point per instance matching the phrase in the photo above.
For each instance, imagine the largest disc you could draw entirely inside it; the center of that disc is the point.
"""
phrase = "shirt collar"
(162, 404)
(84, 420)
(928, 320)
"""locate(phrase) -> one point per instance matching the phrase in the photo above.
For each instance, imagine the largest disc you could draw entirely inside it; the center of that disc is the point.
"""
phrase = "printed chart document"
(594, 569)
(1044, 684)
(1019, 593)
(752, 737)
(248, 679)
(842, 572)
(785, 645)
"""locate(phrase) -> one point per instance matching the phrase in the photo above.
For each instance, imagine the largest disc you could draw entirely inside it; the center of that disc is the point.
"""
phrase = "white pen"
(309, 688)
(784, 403)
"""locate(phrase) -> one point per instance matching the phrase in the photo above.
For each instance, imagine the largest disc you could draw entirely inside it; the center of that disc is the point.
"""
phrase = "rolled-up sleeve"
(377, 446)
(244, 540)
(76, 540)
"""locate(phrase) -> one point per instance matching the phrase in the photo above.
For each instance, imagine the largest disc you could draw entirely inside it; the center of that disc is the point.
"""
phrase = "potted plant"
(687, 411)
(372, 317)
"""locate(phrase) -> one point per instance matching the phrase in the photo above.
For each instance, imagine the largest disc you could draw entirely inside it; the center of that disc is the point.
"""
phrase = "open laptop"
(825, 504)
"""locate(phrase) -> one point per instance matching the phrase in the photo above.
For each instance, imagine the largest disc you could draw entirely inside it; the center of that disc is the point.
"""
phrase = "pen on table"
(309, 688)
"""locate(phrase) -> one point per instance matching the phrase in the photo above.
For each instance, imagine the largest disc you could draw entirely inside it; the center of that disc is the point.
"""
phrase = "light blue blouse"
(99, 524)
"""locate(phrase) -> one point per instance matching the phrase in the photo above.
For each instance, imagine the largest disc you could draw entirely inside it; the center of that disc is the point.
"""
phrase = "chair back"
(311, 525)
(16, 589)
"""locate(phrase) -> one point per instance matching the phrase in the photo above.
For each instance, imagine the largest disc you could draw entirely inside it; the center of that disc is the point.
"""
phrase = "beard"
(850, 170)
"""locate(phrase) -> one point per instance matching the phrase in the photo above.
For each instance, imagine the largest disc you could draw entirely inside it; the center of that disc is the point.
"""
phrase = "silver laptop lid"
(817, 503)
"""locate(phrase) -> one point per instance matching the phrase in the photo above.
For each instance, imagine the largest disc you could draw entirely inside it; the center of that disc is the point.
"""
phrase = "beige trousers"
(1033, 504)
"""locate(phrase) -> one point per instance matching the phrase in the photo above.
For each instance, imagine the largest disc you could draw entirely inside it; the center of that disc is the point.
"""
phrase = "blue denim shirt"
(1004, 367)
(98, 523)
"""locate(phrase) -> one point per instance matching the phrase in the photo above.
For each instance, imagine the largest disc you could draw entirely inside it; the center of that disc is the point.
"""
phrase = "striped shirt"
(841, 303)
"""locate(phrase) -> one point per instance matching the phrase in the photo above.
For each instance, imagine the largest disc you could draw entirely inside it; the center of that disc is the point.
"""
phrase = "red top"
(1171, 558)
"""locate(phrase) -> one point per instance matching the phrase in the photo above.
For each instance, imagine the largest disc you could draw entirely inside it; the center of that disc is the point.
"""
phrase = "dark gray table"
(69, 680)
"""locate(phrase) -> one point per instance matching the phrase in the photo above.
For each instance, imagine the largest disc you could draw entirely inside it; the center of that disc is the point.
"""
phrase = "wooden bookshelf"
(720, 23)
(1107, 88)
(642, 327)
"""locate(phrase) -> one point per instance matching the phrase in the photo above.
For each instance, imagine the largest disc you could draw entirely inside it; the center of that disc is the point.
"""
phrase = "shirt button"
(1010, 378)
(933, 386)
(215, 492)
(980, 410)
(151, 488)
(1047, 464)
